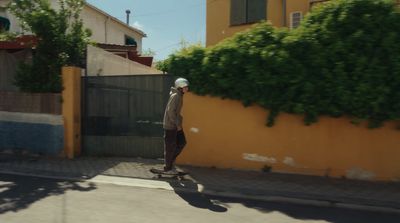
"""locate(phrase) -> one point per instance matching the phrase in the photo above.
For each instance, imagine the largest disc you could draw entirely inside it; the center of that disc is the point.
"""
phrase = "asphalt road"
(37, 200)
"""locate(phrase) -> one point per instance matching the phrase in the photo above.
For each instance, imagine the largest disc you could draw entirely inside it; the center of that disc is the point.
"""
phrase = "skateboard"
(161, 174)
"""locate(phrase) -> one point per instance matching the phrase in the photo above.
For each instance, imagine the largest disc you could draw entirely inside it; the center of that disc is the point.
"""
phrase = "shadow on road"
(18, 193)
(195, 198)
(308, 212)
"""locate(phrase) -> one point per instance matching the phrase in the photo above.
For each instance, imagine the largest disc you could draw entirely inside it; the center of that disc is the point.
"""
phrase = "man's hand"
(179, 128)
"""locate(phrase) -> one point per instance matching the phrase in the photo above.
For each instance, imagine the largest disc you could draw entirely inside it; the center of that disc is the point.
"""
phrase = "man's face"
(185, 89)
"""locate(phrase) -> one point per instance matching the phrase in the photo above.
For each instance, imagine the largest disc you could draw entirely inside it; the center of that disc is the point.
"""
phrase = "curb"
(301, 201)
(54, 177)
(164, 185)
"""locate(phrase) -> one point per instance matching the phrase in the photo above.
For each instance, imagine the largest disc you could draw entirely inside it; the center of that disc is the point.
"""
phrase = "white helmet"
(181, 83)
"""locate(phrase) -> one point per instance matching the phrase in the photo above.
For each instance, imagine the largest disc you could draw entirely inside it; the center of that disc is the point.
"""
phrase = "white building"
(104, 27)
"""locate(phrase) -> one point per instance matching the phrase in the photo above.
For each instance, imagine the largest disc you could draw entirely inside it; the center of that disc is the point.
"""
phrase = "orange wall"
(224, 134)
(218, 16)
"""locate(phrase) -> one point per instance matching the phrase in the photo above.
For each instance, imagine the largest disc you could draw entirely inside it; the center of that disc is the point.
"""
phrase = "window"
(130, 41)
(247, 11)
(4, 24)
(295, 19)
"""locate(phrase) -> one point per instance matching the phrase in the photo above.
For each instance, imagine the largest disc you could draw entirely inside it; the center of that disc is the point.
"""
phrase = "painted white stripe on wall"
(258, 158)
(34, 118)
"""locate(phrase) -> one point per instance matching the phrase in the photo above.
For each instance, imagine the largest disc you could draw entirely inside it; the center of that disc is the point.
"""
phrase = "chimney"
(127, 16)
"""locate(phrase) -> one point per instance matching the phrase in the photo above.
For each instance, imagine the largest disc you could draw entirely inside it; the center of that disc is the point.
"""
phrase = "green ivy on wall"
(344, 59)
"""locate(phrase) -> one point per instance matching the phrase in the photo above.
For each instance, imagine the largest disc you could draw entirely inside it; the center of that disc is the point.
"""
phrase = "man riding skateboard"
(174, 137)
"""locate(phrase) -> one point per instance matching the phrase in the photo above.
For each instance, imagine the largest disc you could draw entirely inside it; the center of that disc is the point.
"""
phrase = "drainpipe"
(284, 12)
(106, 30)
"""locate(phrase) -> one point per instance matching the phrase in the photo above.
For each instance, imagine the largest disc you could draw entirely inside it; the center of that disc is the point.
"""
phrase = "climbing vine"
(344, 59)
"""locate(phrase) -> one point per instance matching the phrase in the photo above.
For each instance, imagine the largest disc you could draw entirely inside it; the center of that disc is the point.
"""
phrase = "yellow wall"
(221, 132)
(71, 110)
(218, 17)
(296, 6)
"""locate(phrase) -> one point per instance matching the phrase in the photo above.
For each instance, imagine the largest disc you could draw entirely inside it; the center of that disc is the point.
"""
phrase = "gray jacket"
(172, 116)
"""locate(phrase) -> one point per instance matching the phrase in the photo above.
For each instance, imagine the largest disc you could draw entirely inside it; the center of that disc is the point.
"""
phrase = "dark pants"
(174, 142)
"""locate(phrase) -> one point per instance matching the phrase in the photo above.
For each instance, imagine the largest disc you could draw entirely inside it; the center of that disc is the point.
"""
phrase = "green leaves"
(344, 59)
(62, 41)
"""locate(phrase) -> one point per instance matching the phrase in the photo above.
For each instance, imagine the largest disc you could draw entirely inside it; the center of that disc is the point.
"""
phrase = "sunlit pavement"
(31, 199)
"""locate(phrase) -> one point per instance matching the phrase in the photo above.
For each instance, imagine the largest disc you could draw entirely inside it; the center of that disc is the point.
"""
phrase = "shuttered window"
(295, 19)
(256, 10)
(248, 11)
(238, 12)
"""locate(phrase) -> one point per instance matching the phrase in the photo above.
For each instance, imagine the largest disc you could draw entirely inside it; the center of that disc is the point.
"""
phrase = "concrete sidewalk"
(301, 189)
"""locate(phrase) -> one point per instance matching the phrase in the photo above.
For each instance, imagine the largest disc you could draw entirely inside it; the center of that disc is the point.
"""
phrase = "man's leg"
(180, 144)
(169, 148)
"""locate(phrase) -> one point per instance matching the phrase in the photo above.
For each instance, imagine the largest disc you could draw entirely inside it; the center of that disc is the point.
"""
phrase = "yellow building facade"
(221, 22)
(226, 17)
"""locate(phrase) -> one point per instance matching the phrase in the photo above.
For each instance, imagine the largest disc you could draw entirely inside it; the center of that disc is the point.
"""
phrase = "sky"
(166, 22)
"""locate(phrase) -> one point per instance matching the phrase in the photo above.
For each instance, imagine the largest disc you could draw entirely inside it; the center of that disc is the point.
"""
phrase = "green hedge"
(344, 59)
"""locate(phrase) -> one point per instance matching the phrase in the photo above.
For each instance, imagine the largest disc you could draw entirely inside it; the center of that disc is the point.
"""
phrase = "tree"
(62, 41)
(7, 36)
(149, 53)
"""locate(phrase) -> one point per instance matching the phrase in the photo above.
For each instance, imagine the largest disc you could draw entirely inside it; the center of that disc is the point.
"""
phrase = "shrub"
(344, 59)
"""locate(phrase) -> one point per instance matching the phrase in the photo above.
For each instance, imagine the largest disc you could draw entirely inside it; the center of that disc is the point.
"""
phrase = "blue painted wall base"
(32, 133)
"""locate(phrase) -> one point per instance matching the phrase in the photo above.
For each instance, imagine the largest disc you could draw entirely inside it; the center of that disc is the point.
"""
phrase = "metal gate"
(122, 115)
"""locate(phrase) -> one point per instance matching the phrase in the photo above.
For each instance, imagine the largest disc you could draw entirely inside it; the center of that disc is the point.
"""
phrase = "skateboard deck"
(160, 173)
